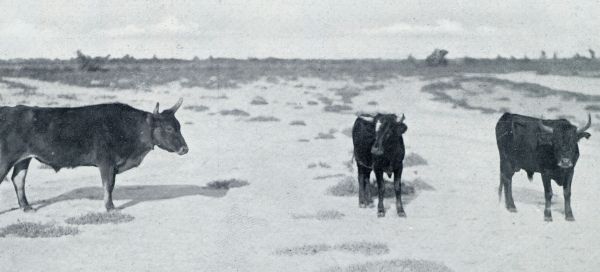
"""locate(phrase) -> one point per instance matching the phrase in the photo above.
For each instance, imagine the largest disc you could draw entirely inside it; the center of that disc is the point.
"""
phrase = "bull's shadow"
(536, 198)
(142, 193)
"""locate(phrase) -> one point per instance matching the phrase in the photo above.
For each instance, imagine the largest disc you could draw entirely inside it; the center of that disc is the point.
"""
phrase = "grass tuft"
(227, 184)
(35, 230)
(98, 218)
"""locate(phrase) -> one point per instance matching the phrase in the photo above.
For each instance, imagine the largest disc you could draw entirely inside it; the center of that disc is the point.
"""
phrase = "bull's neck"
(147, 135)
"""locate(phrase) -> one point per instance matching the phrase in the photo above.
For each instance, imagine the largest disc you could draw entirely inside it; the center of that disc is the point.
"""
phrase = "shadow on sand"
(536, 198)
(137, 194)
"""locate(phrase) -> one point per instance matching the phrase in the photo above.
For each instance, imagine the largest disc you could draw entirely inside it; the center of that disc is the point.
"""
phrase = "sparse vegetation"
(408, 265)
(414, 159)
(348, 186)
(197, 108)
(234, 112)
(35, 230)
(264, 119)
(337, 108)
(227, 184)
(365, 248)
(322, 215)
(259, 100)
(100, 218)
(297, 123)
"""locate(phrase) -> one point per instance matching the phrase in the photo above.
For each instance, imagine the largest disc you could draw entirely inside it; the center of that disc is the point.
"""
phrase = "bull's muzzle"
(375, 150)
(183, 150)
(565, 163)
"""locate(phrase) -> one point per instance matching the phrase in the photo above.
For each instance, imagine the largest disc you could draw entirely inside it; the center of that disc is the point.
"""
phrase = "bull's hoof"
(570, 218)
(401, 214)
(548, 218)
(109, 207)
(512, 209)
(371, 205)
(380, 214)
(362, 205)
(28, 209)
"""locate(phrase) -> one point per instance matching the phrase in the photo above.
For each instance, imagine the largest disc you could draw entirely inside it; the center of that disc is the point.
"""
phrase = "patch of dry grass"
(297, 123)
(259, 100)
(397, 265)
(263, 119)
(348, 186)
(100, 218)
(67, 96)
(227, 184)
(322, 215)
(35, 230)
(319, 164)
(326, 136)
(365, 248)
(337, 108)
(328, 176)
(196, 108)
(374, 87)
(414, 159)
(234, 112)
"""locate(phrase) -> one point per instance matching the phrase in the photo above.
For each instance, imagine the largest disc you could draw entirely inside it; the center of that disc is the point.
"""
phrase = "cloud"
(440, 27)
(167, 26)
(20, 28)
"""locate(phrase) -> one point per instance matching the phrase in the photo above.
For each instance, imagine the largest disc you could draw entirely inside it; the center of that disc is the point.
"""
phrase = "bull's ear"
(402, 128)
(155, 112)
(177, 105)
(582, 135)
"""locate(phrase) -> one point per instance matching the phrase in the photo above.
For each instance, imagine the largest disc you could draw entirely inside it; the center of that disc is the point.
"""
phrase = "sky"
(298, 29)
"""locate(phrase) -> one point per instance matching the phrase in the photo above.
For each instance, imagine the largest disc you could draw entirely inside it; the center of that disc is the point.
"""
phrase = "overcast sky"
(298, 29)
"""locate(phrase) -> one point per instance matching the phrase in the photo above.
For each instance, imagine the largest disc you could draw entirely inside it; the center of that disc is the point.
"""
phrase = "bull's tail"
(500, 188)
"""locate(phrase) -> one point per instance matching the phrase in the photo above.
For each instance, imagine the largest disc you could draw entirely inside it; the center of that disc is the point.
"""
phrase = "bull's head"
(166, 131)
(388, 128)
(564, 140)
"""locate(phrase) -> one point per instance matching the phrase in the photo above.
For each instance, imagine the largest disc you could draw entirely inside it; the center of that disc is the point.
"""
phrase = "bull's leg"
(548, 195)
(506, 174)
(366, 177)
(18, 179)
(567, 194)
(361, 187)
(398, 189)
(380, 192)
(108, 182)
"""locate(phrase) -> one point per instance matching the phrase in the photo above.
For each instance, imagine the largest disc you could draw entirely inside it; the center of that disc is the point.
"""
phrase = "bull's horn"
(588, 125)
(545, 128)
(367, 118)
(155, 109)
(177, 105)
(401, 119)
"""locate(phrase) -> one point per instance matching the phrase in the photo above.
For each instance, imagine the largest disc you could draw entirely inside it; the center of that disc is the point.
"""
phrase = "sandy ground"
(586, 85)
(182, 225)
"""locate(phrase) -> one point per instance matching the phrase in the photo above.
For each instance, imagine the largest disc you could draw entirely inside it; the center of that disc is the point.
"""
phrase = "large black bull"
(548, 147)
(378, 146)
(112, 137)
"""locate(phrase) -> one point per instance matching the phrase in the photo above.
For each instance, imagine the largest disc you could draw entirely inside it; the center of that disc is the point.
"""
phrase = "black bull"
(378, 146)
(549, 147)
(112, 137)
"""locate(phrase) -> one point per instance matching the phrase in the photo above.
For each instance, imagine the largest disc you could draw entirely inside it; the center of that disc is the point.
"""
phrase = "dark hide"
(381, 151)
(112, 137)
(548, 147)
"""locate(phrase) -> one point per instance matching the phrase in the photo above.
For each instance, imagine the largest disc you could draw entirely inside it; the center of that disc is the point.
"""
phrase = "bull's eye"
(169, 129)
